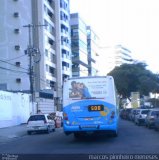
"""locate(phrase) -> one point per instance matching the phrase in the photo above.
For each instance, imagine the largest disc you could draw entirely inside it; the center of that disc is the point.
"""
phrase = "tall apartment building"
(63, 47)
(54, 41)
(116, 56)
(46, 36)
(14, 67)
(79, 46)
(93, 49)
(122, 55)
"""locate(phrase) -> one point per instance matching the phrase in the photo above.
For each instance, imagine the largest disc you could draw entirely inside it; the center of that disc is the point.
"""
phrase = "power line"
(15, 58)
(12, 64)
(13, 70)
(44, 81)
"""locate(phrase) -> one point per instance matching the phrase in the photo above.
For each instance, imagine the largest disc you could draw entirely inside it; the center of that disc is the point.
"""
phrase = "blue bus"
(90, 105)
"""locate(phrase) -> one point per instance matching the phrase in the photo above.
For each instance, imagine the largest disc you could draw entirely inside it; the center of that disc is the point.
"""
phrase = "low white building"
(15, 108)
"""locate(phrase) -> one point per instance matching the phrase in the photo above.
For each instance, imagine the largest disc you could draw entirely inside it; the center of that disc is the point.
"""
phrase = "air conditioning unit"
(16, 14)
(17, 47)
(17, 64)
(16, 30)
(18, 80)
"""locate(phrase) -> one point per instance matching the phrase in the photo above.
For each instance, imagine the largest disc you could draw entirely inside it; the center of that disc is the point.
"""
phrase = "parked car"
(121, 113)
(156, 122)
(150, 119)
(132, 114)
(124, 114)
(40, 122)
(140, 116)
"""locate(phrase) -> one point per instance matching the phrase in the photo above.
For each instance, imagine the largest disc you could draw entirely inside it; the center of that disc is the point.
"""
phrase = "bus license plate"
(95, 108)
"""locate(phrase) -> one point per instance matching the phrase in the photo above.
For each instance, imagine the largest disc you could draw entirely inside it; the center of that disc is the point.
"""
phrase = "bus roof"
(89, 77)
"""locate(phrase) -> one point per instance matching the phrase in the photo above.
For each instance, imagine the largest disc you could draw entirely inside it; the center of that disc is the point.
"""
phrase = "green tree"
(135, 78)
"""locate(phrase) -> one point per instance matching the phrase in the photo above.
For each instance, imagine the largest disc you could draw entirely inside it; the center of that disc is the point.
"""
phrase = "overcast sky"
(131, 23)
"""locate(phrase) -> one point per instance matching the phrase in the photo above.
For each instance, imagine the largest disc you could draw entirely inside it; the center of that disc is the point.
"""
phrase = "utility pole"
(31, 51)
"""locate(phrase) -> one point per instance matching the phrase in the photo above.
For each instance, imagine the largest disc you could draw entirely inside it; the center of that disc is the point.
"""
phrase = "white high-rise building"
(41, 29)
(13, 41)
(113, 56)
(93, 49)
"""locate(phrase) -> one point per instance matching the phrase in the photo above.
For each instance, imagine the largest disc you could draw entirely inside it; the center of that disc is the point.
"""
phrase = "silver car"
(140, 116)
(150, 119)
(156, 122)
(40, 122)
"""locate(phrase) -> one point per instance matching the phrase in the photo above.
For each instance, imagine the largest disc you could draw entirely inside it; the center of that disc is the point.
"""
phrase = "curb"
(9, 133)
(10, 137)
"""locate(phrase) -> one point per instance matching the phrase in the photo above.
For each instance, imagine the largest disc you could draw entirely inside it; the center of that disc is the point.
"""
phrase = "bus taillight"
(65, 116)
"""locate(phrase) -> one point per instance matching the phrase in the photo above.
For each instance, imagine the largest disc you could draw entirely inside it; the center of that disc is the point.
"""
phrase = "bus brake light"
(65, 116)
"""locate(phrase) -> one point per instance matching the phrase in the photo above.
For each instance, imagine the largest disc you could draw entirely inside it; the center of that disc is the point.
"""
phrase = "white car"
(40, 122)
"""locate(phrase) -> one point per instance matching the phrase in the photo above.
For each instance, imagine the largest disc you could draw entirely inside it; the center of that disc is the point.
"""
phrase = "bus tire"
(114, 134)
(77, 135)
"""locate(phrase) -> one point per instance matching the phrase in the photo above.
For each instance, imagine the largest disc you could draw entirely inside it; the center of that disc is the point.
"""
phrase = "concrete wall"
(15, 108)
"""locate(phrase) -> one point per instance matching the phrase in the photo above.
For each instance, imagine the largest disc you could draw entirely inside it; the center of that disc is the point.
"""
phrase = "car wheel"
(48, 130)
(115, 134)
(77, 135)
(53, 129)
(149, 127)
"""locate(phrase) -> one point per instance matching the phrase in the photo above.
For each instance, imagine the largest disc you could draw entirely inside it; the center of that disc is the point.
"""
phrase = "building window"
(50, 14)
(50, 2)
(52, 84)
(51, 42)
(52, 71)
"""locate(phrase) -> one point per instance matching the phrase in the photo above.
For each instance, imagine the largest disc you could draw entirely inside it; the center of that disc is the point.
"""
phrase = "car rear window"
(137, 111)
(154, 113)
(134, 111)
(37, 118)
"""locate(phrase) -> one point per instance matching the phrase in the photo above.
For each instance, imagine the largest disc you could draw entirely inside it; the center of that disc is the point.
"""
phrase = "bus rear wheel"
(114, 134)
(77, 135)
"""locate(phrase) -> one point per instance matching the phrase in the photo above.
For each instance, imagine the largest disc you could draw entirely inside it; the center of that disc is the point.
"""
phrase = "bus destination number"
(95, 108)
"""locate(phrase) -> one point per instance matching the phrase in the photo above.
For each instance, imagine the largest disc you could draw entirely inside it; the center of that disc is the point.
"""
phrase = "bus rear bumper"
(90, 128)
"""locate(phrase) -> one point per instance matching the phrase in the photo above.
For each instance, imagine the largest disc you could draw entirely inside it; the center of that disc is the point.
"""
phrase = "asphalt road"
(132, 139)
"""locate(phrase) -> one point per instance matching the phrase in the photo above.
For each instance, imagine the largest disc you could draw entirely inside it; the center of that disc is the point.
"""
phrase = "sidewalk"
(9, 133)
